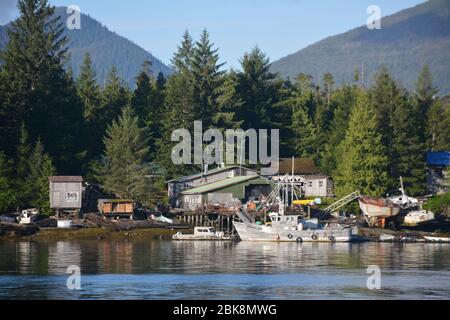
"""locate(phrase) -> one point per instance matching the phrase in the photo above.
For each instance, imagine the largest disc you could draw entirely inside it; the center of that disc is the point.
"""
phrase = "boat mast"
(292, 184)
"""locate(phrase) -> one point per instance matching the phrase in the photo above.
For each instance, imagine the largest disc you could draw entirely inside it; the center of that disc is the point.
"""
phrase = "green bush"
(439, 204)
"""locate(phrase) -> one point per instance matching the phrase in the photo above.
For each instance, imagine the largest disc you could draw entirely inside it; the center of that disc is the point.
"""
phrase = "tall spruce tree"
(178, 108)
(124, 169)
(115, 96)
(207, 79)
(402, 128)
(305, 134)
(438, 126)
(7, 193)
(408, 150)
(38, 90)
(89, 94)
(22, 169)
(40, 169)
(88, 90)
(424, 94)
(257, 88)
(344, 99)
(364, 164)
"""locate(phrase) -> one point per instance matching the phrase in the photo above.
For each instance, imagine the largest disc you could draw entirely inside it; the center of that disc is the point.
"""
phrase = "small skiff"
(438, 239)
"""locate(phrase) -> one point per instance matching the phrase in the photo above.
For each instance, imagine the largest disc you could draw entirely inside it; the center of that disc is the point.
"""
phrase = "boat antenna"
(402, 189)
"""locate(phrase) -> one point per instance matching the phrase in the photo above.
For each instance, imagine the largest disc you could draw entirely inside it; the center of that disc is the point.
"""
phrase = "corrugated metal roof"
(66, 179)
(210, 172)
(301, 166)
(219, 185)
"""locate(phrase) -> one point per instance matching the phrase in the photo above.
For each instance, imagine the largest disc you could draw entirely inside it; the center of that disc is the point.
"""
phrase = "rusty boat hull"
(378, 208)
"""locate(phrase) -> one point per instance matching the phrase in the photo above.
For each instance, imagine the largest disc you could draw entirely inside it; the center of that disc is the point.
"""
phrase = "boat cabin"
(204, 231)
(293, 221)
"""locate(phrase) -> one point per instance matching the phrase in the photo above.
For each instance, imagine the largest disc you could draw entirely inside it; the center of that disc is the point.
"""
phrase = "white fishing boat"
(202, 234)
(289, 228)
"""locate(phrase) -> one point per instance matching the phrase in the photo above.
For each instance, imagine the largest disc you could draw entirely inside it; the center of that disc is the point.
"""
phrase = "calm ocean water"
(210, 270)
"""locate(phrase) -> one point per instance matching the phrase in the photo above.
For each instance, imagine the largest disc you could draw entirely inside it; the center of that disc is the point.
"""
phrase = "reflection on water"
(195, 270)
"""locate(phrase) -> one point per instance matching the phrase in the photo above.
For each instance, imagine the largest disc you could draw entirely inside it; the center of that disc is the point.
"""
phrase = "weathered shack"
(177, 186)
(66, 193)
(230, 192)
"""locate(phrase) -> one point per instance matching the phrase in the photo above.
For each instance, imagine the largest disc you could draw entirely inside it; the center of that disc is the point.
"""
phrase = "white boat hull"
(259, 233)
(376, 211)
(437, 239)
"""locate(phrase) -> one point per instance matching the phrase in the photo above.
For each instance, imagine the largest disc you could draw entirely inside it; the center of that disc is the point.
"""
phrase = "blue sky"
(278, 27)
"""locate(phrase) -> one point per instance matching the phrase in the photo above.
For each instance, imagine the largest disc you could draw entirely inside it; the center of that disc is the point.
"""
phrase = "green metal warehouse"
(229, 192)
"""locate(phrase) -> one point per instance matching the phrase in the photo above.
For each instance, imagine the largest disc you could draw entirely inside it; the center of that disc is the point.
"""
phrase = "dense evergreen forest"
(50, 123)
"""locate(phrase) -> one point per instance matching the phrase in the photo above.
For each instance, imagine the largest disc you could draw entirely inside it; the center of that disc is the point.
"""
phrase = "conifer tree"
(115, 96)
(424, 94)
(438, 126)
(124, 168)
(328, 82)
(364, 164)
(258, 91)
(178, 108)
(344, 99)
(38, 90)
(40, 169)
(88, 90)
(182, 59)
(207, 79)
(305, 134)
(22, 168)
(229, 103)
(7, 194)
(408, 150)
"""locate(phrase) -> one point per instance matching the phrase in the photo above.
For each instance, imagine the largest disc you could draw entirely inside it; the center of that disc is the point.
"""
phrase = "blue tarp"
(438, 159)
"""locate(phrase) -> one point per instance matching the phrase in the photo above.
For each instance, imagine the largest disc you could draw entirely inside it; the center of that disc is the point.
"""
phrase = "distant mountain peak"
(106, 49)
(406, 41)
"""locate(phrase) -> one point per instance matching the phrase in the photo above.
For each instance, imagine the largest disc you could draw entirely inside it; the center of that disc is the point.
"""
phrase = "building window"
(310, 184)
(321, 184)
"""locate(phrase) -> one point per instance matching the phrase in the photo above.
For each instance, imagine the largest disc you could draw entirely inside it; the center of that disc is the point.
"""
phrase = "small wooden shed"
(116, 207)
(66, 193)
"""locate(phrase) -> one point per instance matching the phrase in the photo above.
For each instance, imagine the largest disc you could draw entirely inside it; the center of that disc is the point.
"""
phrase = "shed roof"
(66, 179)
(210, 172)
(220, 185)
(301, 166)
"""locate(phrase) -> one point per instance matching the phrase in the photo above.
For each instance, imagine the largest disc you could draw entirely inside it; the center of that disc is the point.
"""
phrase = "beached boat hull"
(377, 208)
(437, 239)
(259, 233)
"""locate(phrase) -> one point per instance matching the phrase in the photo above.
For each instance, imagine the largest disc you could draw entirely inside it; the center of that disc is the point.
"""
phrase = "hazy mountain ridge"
(406, 41)
(106, 48)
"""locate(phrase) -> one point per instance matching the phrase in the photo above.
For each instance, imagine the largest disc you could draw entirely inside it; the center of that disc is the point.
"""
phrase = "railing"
(342, 202)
